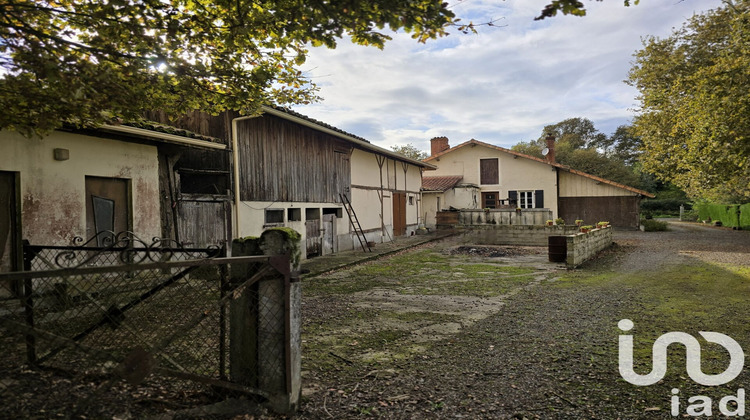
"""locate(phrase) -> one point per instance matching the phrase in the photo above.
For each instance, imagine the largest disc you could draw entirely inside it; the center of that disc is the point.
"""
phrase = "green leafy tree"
(694, 119)
(581, 146)
(410, 151)
(89, 62)
(569, 7)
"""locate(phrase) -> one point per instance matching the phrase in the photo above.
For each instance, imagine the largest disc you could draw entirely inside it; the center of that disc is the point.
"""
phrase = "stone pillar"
(265, 321)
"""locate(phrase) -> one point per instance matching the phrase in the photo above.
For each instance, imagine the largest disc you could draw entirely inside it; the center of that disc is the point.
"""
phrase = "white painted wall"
(515, 174)
(53, 192)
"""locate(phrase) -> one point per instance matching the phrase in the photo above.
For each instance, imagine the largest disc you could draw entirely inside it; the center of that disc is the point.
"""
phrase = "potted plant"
(579, 222)
(586, 228)
(550, 222)
(602, 224)
(559, 221)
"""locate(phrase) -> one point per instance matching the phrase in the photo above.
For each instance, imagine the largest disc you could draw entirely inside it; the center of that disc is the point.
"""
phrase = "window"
(411, 200)
(526, 199)
(488, 172)
(274, 216)
(312, 214)
(294, 215)
(333, 210)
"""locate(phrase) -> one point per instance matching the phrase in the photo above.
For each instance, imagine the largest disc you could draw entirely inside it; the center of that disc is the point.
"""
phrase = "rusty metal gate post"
(265, 319)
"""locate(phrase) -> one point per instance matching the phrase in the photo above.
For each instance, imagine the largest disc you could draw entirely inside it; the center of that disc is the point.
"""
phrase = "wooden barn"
(335, 188)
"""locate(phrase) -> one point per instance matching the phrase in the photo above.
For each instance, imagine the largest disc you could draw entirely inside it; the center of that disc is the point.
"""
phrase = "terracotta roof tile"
(440, 183)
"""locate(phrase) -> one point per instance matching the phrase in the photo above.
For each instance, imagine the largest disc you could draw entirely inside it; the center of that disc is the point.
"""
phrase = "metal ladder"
(355, 222)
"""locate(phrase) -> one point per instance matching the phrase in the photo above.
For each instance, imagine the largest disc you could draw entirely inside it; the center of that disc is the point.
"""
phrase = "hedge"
(667, 205)
(727, 214)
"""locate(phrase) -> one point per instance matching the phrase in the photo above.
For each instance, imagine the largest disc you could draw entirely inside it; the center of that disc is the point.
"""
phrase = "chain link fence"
(134, 327)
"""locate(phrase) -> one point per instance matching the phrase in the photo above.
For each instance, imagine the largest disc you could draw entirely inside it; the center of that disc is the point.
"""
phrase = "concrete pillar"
(265, 321)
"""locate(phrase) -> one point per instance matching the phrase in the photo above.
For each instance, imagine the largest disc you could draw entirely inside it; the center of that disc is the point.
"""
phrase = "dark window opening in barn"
(489, 173)
(312, 214)
(274, 216)
(294, 215)
(203, 182)
(333, 210)
(411, 200)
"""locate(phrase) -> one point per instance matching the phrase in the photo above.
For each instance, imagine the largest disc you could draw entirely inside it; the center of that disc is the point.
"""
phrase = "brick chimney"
(550, 148)
(438, 144)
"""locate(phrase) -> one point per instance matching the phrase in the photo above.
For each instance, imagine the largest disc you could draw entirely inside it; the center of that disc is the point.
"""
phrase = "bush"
(650, 225)
(690, 216)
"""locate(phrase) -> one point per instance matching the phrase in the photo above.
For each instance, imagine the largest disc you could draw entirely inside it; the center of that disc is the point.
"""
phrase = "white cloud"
(502, 85)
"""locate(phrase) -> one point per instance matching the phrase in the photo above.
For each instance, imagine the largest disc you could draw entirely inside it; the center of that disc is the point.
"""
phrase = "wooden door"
(203, 223)
(490, 200)
(107, 207)
(9, 230)
(399, 214)
(312, 237)
(329, 234)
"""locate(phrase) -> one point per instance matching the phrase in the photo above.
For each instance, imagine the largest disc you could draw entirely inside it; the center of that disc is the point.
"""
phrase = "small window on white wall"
(411, 200)
(526, 199)
(274, 216)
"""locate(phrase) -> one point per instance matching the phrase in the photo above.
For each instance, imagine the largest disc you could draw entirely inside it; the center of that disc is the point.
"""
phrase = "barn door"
(203, 223)
(399, 214)
(312, 237)
(9, 230)
(329, 234)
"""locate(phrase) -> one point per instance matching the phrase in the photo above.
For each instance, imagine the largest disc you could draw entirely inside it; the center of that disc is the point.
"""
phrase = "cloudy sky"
(501, 86)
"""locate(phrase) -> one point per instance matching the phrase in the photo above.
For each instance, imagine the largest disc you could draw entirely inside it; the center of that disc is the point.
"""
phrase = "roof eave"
(357, 142)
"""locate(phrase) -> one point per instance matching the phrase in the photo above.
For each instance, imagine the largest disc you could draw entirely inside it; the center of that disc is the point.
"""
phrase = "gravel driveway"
(550, 350)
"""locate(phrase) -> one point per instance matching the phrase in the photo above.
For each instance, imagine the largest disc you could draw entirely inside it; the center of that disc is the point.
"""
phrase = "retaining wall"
(583, 246)
(523, 235)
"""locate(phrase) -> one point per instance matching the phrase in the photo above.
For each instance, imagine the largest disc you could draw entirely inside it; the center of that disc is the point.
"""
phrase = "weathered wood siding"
(219, 126)
(618, 211)
(202, 223)
(284, 161)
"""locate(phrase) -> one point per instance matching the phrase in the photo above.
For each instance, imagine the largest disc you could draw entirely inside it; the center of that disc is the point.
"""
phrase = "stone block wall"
(583, 246)
(522, 235)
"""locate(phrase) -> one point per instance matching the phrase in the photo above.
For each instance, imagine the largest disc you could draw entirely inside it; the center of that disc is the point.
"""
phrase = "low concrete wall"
(583, 246)
(524, 235)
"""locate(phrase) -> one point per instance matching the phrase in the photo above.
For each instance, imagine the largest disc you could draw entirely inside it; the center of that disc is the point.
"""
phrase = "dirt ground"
(449, 330)
(436, 333)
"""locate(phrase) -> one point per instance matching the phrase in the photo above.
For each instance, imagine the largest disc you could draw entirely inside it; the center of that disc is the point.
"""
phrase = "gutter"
(172, 138)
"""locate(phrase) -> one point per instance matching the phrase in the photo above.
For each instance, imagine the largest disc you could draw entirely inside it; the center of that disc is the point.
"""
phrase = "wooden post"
(265, 321)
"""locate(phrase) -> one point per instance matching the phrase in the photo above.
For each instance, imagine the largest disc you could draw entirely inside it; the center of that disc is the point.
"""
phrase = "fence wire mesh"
(128, 329)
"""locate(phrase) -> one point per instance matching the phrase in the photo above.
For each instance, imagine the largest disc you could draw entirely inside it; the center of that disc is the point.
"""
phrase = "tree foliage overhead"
(694, 119)
(411, 151)
(89, 62)
(581, 146)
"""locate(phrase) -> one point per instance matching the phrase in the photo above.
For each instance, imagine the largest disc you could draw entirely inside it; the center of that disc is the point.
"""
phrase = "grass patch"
(481, 287)
(421, 317)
